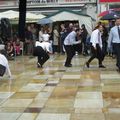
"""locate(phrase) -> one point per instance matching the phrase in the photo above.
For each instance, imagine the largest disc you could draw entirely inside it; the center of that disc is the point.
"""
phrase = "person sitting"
(17, 46)
(10, 50)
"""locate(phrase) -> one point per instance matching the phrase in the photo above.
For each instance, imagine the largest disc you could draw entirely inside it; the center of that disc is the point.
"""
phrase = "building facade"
(50, 6)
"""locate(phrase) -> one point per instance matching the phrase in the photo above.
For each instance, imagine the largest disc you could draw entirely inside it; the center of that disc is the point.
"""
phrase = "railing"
(29, 2)
(44, 2)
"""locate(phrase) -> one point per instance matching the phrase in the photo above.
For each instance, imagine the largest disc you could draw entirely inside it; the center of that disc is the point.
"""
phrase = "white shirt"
(96, 39)
(4, 62)
(113, 36)
(45, 37)
(70, 39)
(45, 45)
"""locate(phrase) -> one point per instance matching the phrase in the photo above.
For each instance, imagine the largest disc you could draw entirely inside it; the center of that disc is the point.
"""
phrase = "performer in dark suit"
(41, 50)
(69, 43)
(96, 47)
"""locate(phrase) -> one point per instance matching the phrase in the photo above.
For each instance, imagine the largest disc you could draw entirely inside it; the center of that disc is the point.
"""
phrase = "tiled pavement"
(58, 93)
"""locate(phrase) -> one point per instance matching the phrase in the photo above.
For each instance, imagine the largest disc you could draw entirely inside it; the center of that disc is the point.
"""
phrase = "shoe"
(118, 70)
(102, 66)
(39, 65)
(87, 64)
(68, 65)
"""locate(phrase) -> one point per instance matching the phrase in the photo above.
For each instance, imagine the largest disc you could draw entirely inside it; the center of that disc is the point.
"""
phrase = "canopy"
(14, 15)
(67, 15)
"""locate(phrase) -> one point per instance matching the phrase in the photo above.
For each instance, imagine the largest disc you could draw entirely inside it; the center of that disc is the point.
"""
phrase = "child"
(17, 46)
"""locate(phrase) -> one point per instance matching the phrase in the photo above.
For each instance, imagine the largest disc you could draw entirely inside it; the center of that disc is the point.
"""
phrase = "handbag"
(2, 70)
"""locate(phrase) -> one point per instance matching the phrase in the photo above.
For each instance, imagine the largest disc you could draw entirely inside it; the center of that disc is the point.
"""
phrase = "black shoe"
(87, 64)
(102, 66)
(70, 65)
(118, 70)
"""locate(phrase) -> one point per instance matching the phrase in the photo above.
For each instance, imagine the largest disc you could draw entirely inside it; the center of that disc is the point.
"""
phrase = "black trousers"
(116, 47)
(98, 53)
(70, 53)
(41, 54)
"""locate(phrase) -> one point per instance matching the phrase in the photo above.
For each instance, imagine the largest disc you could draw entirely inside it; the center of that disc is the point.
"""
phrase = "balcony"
(59, 2)
(45, 2)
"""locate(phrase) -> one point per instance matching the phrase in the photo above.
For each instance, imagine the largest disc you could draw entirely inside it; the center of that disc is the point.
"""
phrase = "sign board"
(109, 1)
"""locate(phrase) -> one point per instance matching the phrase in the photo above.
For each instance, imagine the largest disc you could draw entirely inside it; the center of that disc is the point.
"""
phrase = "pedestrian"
(114, 39)
(96, 47)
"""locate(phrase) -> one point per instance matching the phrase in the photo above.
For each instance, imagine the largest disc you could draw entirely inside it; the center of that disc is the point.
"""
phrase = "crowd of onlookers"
(55, 35)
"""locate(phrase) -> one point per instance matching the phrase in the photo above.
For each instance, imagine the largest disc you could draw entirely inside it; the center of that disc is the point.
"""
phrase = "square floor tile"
(47, 116)
(59, 103)
(43, 95)
(88, 111)
(32, 110)
(88, 103)
(32, 88)
(27, 116)
(95, 116)
(24, 95)
(89, 95)
(71, 77)
(9, 116)
(17, 103)
(12, 110)
(64, 92)
(5, 94)
(112, 116)
(110, 76)
(38, 103)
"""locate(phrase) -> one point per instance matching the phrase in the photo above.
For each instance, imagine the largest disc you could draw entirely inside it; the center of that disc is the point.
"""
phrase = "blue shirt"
(113, 36)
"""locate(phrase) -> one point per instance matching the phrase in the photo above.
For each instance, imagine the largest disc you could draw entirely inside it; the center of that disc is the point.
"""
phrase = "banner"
(109, 1)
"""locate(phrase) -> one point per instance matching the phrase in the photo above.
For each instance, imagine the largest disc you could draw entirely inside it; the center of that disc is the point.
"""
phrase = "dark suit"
(98, 53)
(41, 54)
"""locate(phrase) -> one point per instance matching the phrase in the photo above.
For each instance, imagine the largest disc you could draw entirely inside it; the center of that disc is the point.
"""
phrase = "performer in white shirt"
(69, 41)
(114, 39)
(41, 50)
(4, 66)
(96, 47)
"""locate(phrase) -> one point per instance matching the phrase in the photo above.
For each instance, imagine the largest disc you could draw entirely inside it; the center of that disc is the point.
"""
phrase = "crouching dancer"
(4, 66)
(42, 50)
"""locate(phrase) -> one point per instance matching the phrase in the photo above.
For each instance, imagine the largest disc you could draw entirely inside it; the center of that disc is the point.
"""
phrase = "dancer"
(69, 43)
(42, 50)
(4, 66)
(96, 47)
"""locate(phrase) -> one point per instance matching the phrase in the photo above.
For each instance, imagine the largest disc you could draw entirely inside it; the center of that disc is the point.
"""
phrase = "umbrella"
(117, 10)
(110, 16)
(103, 13)
(45, 21)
